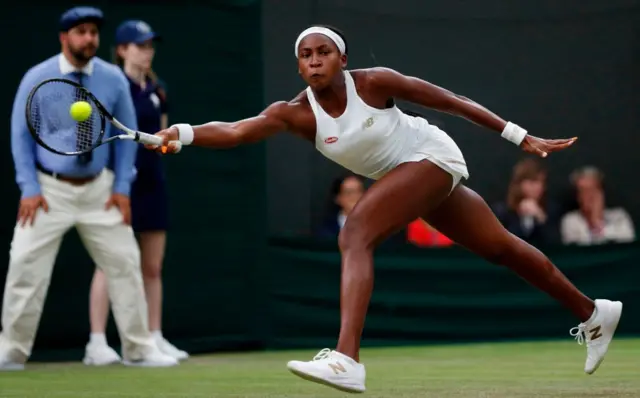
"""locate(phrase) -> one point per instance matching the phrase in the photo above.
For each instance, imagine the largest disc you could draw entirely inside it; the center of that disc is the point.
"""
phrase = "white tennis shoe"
(100, 354)
(169, 349)
(333, 369)
(598, 332)
(153, 359)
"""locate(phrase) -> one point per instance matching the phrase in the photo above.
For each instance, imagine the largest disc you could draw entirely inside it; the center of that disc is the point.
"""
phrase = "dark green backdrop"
(439, 295)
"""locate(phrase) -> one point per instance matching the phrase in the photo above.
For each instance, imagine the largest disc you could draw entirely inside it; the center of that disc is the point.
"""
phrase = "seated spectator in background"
(593, 223)
(527, 213)
(420, 233)
(345, 193)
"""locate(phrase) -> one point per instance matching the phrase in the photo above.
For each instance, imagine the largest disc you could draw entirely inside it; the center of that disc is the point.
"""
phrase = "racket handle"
(149, 139)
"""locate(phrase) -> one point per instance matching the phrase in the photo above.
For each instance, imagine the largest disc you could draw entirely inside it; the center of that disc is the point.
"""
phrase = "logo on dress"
(330, 140)
(368, 123)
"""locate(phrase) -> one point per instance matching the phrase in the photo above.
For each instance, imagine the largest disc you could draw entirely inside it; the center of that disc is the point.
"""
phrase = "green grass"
(509, 370)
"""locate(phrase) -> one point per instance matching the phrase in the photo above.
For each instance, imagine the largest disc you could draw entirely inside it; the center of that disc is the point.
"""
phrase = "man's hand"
(29, 207)
(123, 204)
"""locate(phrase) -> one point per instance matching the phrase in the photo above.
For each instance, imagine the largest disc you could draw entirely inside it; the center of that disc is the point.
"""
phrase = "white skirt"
(432, 144)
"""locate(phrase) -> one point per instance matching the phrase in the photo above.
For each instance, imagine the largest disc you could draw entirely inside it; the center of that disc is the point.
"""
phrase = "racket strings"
(50, 118)
(84, 139)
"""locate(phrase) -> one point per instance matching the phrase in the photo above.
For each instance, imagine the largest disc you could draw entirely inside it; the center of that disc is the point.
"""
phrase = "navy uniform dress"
(149, 202)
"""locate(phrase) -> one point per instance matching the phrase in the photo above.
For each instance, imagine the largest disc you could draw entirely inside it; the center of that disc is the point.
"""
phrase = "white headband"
(323, 31)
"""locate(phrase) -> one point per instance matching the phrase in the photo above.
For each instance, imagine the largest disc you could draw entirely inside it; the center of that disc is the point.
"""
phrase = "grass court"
(496, 370)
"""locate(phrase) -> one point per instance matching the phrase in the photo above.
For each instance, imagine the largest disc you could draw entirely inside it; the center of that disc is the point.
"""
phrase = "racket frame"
(130, 134)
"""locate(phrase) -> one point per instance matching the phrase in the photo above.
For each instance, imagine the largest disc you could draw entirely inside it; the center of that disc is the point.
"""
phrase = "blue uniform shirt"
(107, 82)
(150, 103)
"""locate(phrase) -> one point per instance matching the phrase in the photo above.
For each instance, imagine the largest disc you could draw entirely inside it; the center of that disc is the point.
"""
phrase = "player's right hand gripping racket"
(51, 125)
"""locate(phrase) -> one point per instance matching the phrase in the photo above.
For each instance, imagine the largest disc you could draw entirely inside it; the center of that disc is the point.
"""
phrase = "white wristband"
(514, 133)
(185, 133)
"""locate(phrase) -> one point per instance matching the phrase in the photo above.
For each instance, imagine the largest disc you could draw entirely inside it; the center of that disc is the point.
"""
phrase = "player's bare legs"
(392, 202)
(465, 218)
(468, 220)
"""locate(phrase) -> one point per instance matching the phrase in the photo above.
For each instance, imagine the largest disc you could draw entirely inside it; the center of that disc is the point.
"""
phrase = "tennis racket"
(51, 125)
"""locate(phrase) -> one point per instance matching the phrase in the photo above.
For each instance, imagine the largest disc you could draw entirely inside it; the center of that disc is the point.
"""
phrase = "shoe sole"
(618, 306)
(180, 356)
(90, 362)
(327, 383)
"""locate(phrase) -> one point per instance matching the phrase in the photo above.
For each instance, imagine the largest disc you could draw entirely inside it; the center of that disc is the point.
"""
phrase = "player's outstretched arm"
(429, 95)
(394, 84)
(229, 134)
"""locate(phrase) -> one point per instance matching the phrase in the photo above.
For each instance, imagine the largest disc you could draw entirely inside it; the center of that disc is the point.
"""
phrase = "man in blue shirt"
(60, 192)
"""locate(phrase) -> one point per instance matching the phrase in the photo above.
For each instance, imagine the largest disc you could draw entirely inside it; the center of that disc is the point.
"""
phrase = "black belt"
(70, 179)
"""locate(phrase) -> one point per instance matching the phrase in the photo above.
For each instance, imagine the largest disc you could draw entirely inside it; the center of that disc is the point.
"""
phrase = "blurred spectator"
(527, 213)
(593, 222)
(134, 54)
(420, 233)
(345, 193)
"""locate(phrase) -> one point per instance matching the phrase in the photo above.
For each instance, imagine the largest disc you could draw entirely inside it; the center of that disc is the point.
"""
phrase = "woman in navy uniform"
(134, 53)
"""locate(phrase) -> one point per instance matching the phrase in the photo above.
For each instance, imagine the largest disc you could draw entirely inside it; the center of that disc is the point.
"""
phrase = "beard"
(83, 54)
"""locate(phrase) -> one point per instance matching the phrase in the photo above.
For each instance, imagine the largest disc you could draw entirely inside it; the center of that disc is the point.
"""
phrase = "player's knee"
(353, 236)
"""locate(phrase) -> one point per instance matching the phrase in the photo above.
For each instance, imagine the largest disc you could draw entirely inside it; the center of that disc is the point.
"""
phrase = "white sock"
(98, 338)
(156, 334)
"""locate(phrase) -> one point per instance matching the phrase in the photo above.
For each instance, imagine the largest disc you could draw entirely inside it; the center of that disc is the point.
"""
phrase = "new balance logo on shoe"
(337, 367)
(595, 333)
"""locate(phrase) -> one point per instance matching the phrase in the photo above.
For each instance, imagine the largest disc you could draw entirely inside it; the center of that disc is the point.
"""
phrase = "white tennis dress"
(371, 142)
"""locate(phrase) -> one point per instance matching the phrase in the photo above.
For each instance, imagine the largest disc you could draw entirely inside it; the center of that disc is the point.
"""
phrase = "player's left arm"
(125, 150)
(394, 84)
(418, 91)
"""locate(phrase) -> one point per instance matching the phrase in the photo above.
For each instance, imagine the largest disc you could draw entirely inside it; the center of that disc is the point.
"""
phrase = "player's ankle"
(351, 354)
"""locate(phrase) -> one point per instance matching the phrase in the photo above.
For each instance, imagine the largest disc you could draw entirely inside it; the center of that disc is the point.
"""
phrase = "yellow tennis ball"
(80, 111)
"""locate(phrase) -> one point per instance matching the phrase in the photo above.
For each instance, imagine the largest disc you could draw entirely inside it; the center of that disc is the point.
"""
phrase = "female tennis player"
(352, 119)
